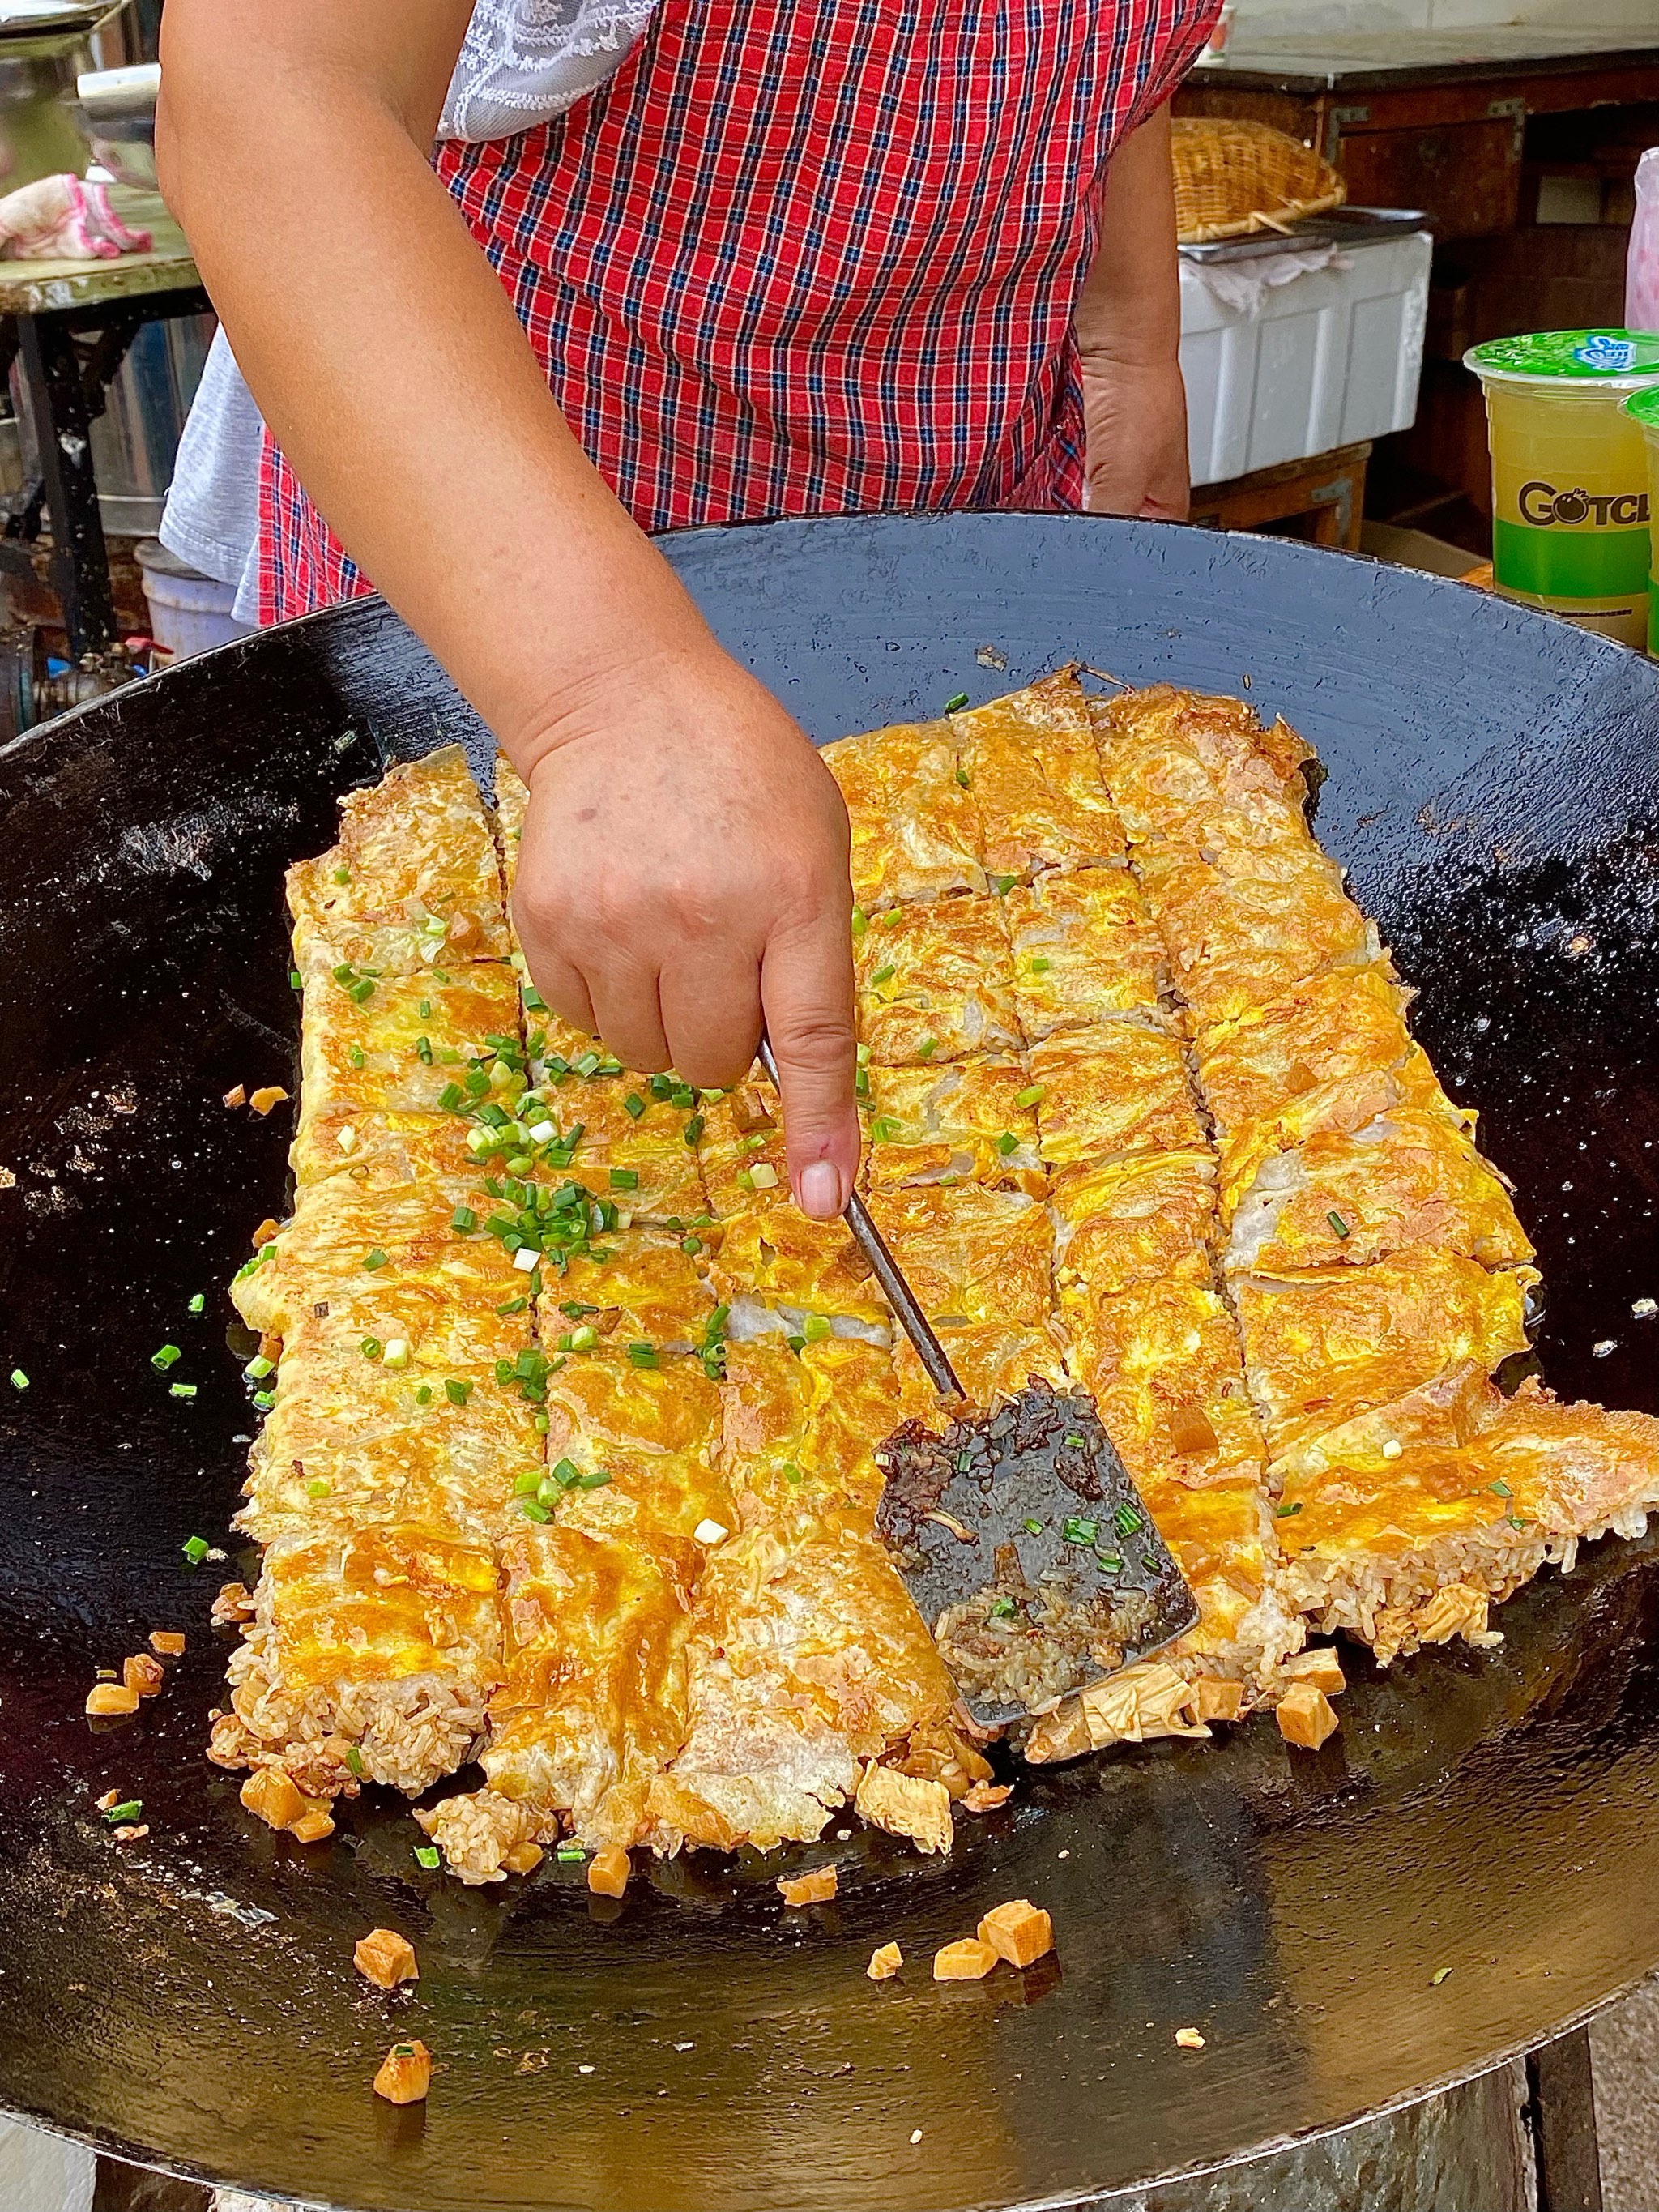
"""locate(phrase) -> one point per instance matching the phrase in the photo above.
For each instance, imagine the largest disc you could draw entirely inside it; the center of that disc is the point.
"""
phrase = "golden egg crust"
(1031, 765)
(915, 830)
(936, 983)
(1146, 1219)
(970, 1120)
(1084, 949)
(1119, 1087)
(971, 1255)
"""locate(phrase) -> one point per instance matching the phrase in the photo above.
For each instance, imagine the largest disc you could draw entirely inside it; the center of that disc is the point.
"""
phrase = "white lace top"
(524, 61)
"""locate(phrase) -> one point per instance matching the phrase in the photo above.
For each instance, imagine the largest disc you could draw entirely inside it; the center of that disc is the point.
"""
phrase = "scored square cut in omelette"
(647, 1293)
(413, 883)
(348, 1442)
(776, 1270)
(936, 983)
(1323, 1347)
(1145, 1218)
(633, 1149)
(971, 1255)
(796, 1428)
(991, 1361)
(971, 1121)
(1083, 950)
(740, 1152)
(1332, 1054)
(1030, 762)
(1119, 1087)
(383, 1640)
(1236, 942)
(1411, 1179)
(915, 832)
(369, 1061)
(1174, 761)
(1162, 1360)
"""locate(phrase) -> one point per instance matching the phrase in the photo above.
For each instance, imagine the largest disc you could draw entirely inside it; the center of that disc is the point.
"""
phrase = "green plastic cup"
(1570, 474)
(1642, 408)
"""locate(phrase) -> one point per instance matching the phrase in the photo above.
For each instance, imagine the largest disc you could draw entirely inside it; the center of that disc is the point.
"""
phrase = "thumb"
(806, 994)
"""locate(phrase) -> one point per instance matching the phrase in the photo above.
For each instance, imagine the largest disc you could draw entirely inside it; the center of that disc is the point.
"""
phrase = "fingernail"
(820, 1190)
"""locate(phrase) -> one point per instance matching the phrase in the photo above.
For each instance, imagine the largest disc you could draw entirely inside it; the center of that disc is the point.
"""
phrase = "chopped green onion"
(451, 1098)
(691, 1246)
(792, 1472)
(927, 1047)
(371, 1347)
(118, 1816)
(161, 1360)
(374, 1258)
(694, 1128)
(883, 975)
(642, 1355)
(424, 1010)
(962, 777)
(355, 1054)
(527, 1484)
(1007, 1142)
(796, 1343)
(570, 1854)
(426, 1856)
(424, 1050)
(457, 1393)
(1338, 1223)
(815, 1328)
(181, 1389)
(1438, 1976)
(596, 1481)
(533, 999)
(258, 1367)
(355, 1760)
(956, 702)
(1003, 885)
(19, 1380)
(1075, 1440)
(624, 1179)
(295, 980)
(342, 875)
(533, 1509)
(464, 1218)
(1039, 963)
(1108, 1562)
(195, 1549)
(317, 1488)
(860, 921)
(364, 989)
(1000, 1608)
(197, 1304)
(1074, 1531)
(1127, 1520)
(1030, 1096)
(566, 1474)
(885, 1129)
(1283, 1512)
(512, 1305)
(423, 1394)
(1032, 1527)
(264, 1400)
(1500, 1488)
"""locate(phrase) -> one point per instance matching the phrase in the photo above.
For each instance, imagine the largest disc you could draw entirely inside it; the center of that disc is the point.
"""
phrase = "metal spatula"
(1017, 1527)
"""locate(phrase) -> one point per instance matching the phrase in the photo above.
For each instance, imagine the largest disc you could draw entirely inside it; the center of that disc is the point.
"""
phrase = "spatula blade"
(1028, 1550)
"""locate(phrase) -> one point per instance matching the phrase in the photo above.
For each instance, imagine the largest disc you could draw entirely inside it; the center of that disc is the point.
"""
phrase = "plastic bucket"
(188, 612)
(1570, 474)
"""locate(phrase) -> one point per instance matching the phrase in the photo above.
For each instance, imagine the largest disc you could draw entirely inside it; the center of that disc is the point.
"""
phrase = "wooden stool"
(1326, 491)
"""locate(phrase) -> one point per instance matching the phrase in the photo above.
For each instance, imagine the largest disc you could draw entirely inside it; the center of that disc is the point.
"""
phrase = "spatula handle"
(886, 1269)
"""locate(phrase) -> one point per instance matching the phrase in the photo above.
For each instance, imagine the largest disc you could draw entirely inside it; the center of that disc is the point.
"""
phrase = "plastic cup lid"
(1622, 360)
(1645, 406)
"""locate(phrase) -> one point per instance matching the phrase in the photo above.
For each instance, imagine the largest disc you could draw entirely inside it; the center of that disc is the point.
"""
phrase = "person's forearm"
(1130, 307)
(387, 358)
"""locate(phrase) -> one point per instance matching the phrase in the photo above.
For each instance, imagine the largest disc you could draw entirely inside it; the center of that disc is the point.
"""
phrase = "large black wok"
(1494, 785)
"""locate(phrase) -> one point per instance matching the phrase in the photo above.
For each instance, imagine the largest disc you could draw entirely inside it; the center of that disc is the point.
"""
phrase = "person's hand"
(682, 877)
(1134, 416)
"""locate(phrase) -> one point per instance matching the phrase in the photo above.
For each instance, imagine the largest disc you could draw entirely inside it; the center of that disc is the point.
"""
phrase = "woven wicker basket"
(1233, 178)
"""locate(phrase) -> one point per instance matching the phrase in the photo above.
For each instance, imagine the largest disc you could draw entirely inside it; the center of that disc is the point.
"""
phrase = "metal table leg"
(80, 562)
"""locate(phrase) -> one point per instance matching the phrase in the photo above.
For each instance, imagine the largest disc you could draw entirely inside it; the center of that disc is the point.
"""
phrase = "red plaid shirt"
(808, 257)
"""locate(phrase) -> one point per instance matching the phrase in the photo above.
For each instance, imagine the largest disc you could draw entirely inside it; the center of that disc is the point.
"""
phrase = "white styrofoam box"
(1326, 360)
(40, 2172)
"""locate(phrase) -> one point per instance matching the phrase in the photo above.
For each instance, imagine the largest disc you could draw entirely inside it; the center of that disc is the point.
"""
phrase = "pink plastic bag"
(1642, 269)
